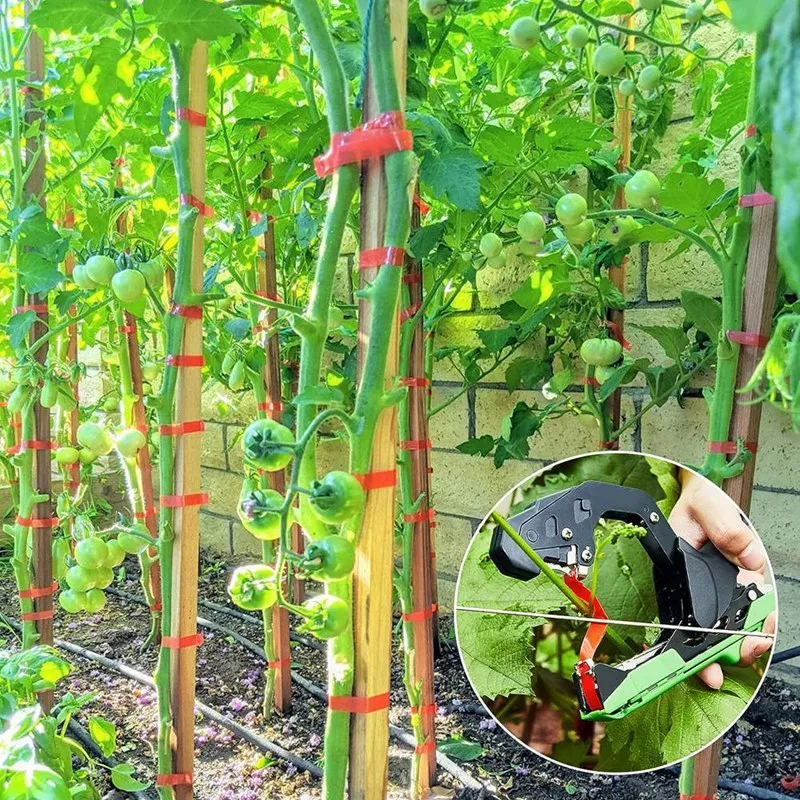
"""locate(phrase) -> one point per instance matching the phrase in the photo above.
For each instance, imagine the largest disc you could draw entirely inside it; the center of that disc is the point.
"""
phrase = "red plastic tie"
(409, 312)
(192, 117)
(39, 308)
(756, 199)
(126, 328)
(750, 131)
(590, 381)
(270, 406)
(35, 522)
(609, 445)
(73, 484)
(358, 705)
(175, 779)
(180, 428)
(425, 711)
(35, 444)
(181, 360)
(184, 500)
(748, 338)
(419, 203)
(182, 642)
(428, 747)
(790, 783)
(382, 256)
(256, 216)
(35, 616)
(378, 137)
(157, 606)
(588, 685)
(412, 277)
(698, 796)
(415, 383)
(616, 332)
(39, 591)
(597, 630)
(730, 448)
(416, 444)
(420, 516)
(196, 202)
(281, 662)
(422, 614)
(430, 470)
(187, 312)
(382, 479)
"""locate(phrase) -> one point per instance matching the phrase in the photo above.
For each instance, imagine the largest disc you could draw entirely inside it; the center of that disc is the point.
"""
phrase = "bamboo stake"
(700, 775)
(372, 579)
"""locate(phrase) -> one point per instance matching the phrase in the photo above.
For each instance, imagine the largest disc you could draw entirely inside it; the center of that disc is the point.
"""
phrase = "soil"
(763, 747)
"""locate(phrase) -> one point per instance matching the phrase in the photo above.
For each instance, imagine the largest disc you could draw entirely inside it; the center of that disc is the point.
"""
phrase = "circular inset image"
(616, 612)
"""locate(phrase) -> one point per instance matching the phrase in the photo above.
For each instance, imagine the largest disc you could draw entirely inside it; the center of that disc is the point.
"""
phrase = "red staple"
(270, 406)
(39, 308)
(282, 662)
(35, 616)
(416, 383)
(428, 747)
(409, 312)
(181, 360)
(756, 199)
(416, 444)
(731, 448)
(428, 710)
(176, 779)
(412, 277)
(421, 614)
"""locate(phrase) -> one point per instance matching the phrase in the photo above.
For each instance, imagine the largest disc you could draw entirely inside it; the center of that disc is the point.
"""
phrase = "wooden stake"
(185, 562)
(372, 579)
(759, 304)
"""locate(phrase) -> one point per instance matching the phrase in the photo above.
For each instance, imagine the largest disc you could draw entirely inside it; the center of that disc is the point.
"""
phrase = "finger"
(753, 647)
(712, 676)
(747, 576)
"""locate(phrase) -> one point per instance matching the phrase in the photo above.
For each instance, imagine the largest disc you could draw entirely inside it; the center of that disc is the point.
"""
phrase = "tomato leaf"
(454, 174)
(481, 446)
(18, 327)
(703, 312)
(185, 21)
(122, 778)
(104, 733)
(77, 16)
(673, 341)
(460, 749)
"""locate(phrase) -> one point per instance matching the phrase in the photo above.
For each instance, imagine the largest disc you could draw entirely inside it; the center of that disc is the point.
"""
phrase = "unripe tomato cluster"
(128, 283)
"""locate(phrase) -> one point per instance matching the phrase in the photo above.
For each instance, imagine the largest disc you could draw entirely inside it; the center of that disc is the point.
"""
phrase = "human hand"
(704, 512)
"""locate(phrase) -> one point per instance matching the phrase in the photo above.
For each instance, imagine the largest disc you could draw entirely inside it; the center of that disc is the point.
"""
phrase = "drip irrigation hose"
(786, 655)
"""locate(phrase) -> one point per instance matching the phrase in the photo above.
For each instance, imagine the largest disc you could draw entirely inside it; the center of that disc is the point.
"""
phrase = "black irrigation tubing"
(317, 691)
(786, 655)
(744, 788)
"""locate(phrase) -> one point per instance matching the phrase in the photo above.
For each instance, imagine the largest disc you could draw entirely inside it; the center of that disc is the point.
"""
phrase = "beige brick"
(215, 533)
(449, 427)
(447, 593)
(777, 463)
(788, 614)
(244, 544)
(212, 452)
(668, 277)
(343, 280)
(495, 286)
(675, 432)
(223, 489)
(218, 403)
(453, 536)
(775, 517)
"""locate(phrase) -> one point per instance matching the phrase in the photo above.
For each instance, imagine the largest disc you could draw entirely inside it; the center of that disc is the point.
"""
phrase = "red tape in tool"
(748, 338)
(182, 642)
(180, 428)
(588, 685)
(409, 312)
(35, 616)
(422, 614)
(192, 117)
(270, 406)
(187, 312)
(383, 479)
(382, 256)
(756, 199)
(184, 500)
(39, 308)
(358, 705)
(175, 779)
(196, 202)
(378, 137)
(282, 662)
(730, 448)
(38, 591)
(596, 631)
(416, 444)
(181, 360)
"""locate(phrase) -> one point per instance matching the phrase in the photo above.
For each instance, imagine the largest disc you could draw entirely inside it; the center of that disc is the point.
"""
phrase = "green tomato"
(80, 579)
(49, 393)
(91, 553)
(531, 226)
(80, 277)
(128, 285)
(111, 404)
(133, 545)
(94, 601)
(116, 555)
(229, 361)
(268, 445)
(100, 269)
(335, 318)
(620, 230)
(329, 559)
(642, 189)
(627, 87)
(72, 602)
(327, 616)
(529, 248)
(253, 588)
(5, 246)
(602, 373)
(238, 376)
(7, 385)
(608, 60)
(258, 511)
(103, 577)
(578, 37)
(130, 442)
(87, 456)
(337, 497)
(66, 400)
(650, 5)
(433, 9)
(601, 352)
(571, 209)
(18, 399)
(694, 13)
(151, 370)
(153, 272)
(95, 437)
(496, 262)
(581, 233)
(524, 33)
(491, 245)
(67, 455)
(649, 78)
(61, 551)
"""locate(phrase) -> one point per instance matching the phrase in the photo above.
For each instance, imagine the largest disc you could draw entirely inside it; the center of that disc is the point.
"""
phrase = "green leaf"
(122, 778)
(38, 275)
(525, 373)
(425, 238)
(536, 290)
(77, 16)
(306, 228)
(481, 446)
(454, 174)
(732, 100)
(18, 327)
(460, 749)
(673, 341)
(753, 17)
(499, 144)
(185, 21)
(703, 312)
(319, 396)
(690, 194)
(104, 733)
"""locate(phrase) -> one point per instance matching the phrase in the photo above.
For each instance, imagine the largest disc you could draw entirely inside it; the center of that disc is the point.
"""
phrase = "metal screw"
(752, 595)
(654, 517)
(586, 554)
(566, 534)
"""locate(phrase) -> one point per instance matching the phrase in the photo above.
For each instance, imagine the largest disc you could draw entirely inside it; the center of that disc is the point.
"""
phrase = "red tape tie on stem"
(382, 257)
(416, 383)
(412, 277)
(126, 328)
(39, 308)
(416, 444)
(157, 606)
(181, 360)
(425, 711)
(148, 512)
(187, 312)
(196, 202)
(378, 137)
(428, 747)
(31, 522)
(748, 338)
(184, 500)
(180, 428)
(590, 381)
(731, 448)
(756, 199)
(358, 705)
(175, 779)
(268, 295)
(182, 642)
(35, 616)
(39, 591)
(281, 662)
(419, 203)
(422, 614)
(750, 131)
(616, 332)
(383, 479)
(409, 312)
(420, 516)
(270, 406)
(35, 444)
(597, 630)
(191, 116)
